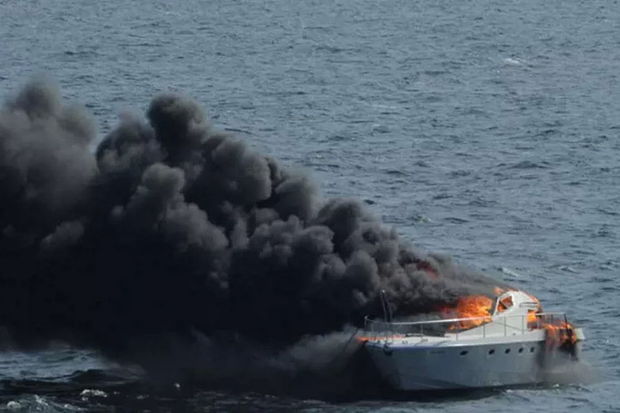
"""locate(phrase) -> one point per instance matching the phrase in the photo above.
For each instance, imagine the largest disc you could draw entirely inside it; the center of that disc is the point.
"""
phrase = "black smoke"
(172, 228)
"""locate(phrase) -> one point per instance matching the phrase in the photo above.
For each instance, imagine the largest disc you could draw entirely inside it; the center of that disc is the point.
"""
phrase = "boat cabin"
(514, 313)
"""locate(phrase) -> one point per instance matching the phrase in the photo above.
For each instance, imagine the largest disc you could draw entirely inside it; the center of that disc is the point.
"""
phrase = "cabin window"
(531, 349)
(532, 319)
(507, 351)
(521, 350)
(464, 352)
(492, 351)
(504, 304)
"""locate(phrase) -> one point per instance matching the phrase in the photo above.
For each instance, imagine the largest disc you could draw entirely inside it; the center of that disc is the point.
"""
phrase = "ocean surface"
(485, 130)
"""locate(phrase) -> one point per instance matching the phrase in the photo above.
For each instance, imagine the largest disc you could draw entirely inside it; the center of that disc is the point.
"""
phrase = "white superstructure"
(514, 345)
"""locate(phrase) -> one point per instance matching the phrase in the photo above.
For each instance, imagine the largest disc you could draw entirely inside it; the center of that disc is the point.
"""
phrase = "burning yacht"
(506, 341)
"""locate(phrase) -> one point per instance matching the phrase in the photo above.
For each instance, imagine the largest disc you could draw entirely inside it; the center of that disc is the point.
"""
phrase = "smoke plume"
(172, 228)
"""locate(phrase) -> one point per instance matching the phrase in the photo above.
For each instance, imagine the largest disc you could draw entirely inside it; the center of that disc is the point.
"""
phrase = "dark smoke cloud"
(172, 228)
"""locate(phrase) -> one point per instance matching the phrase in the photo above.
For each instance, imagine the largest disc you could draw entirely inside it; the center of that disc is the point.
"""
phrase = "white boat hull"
(464, 365)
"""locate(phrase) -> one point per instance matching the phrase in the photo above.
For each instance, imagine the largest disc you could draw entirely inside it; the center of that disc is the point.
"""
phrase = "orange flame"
(532, 319)
(558, 332)
(476, 309)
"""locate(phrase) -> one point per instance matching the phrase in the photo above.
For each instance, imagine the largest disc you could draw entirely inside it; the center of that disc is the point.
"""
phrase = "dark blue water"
(489, 131)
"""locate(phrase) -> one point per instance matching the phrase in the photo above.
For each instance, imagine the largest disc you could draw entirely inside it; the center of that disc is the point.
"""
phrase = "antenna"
(387, 308)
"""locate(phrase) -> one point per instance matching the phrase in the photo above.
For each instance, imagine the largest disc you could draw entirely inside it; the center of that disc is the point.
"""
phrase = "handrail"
(456, 320)
(507, 324)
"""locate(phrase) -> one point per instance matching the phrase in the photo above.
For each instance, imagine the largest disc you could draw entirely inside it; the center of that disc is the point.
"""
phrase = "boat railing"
(498, 325)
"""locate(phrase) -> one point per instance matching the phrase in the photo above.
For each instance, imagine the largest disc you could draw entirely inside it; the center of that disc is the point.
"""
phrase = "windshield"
(503, 304)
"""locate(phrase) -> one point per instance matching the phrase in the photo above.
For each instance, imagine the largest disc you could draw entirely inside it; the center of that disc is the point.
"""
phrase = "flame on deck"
(560, 334)
(475, 310)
